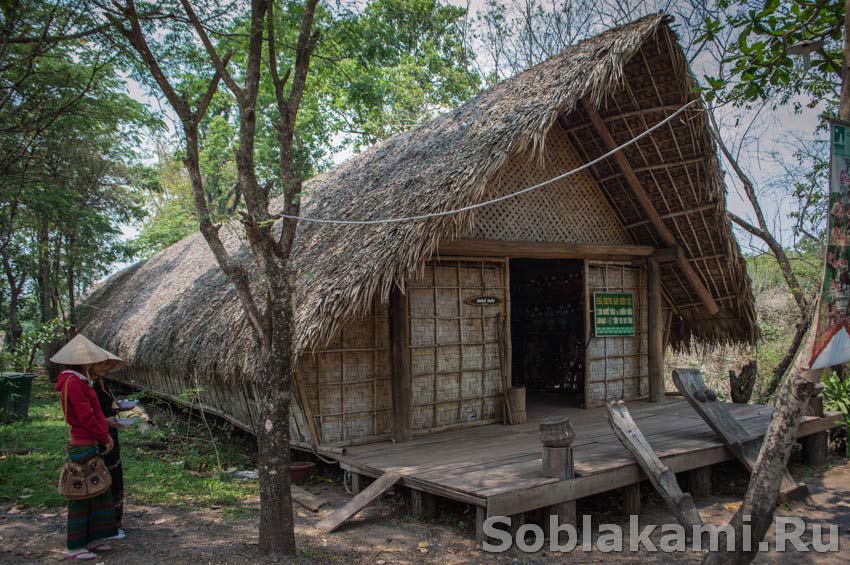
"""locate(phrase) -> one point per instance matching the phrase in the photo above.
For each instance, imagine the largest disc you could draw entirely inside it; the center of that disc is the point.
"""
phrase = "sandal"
(102, 548)
(81, 556)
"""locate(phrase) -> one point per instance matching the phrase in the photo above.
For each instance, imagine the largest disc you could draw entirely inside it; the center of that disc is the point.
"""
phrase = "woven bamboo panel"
(347, 383)
(618, 366)
(572, 210)
(455, 362)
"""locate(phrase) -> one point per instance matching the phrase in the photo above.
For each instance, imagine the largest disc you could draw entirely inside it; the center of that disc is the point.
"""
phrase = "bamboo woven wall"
(455, 359)
(573, 210)
(235, 402)
(617, 367)
(347, 382)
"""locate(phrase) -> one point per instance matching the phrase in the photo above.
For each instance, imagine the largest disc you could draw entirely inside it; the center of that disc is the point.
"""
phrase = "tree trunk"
(15, 287)
(782, 368)
(71, 281)
(47, 294)
(763, 492)
(741, 385)
(277, 529)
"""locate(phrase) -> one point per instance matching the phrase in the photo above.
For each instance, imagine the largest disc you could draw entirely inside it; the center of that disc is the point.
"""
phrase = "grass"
(171, 462)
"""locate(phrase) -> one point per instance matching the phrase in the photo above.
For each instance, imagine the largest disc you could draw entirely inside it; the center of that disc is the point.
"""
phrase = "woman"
(113, 458)
(90, 521)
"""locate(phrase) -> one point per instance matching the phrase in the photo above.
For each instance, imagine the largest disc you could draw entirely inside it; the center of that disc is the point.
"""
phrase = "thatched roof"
(177, 311)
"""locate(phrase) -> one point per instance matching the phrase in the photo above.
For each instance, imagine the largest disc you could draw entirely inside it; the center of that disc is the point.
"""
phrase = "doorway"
(547, 332)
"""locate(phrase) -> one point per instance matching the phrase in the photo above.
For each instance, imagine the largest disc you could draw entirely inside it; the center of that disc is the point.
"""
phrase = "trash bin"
(15, 392)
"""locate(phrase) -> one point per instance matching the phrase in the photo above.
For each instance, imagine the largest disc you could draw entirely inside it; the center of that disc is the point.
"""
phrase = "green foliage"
(377, 70)
(69, 151)
(182, 473)
(761, 65)
(22, 357)
(836, 394)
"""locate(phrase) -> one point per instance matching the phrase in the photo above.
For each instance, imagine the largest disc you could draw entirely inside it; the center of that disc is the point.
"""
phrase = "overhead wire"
(502, 198)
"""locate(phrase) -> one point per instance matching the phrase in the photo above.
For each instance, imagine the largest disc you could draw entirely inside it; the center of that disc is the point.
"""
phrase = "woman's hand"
(112, 422)
(109, 446)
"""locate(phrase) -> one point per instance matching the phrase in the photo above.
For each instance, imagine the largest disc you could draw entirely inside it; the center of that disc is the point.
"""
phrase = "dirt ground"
(385, 533)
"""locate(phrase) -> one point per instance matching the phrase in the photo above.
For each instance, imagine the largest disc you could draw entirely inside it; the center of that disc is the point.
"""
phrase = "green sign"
(613, 313)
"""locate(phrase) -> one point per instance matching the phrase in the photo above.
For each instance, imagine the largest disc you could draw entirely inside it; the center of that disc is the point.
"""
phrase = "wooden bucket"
(516, 398)
(557, 432)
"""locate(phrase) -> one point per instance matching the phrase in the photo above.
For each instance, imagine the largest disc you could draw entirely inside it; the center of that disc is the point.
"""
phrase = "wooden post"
(815, 446)
(699, 481)
(356, 483)
(400, 354)
(480, 517)
(631, 499)
(656, 331)
(557, 435)
(423, 504)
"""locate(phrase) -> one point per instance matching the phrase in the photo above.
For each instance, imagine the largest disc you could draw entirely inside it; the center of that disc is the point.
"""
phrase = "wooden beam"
(642, 112)
(659, 167)
(649, 209)
(667, 254)
(661, 477)
(534, 250)
(734, 436)
(674, 215)
(306, 499)
(402, 391)
(358, 503)
(655, 331)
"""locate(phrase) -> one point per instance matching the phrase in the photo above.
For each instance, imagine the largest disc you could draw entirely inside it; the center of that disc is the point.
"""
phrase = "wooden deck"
(498, 467)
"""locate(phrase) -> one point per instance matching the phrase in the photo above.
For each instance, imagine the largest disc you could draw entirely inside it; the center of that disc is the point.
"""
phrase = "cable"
(500, 198)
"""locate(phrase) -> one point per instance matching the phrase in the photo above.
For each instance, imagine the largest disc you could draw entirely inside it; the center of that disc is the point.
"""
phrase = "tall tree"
(762, 66)
(379, 69)
(67, 130)
(269, 310)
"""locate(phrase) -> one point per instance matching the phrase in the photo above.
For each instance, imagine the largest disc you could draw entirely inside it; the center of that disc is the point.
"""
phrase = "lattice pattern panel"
(456, 370)
(573, 210)
(618, 367)
(347, 383)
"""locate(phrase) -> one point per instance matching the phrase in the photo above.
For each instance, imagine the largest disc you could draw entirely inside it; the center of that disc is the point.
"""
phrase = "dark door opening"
(547, 330)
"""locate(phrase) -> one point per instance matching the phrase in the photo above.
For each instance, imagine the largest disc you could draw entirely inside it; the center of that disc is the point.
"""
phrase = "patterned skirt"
(116, 470)
(93, 518)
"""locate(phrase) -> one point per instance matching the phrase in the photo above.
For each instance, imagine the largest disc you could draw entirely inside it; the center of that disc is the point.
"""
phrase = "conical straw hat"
(81, 351)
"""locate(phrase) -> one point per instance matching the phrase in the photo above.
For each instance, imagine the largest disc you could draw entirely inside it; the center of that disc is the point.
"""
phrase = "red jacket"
(82, 410)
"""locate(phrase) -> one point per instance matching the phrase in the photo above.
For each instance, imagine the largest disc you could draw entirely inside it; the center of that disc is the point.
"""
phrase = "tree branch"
(220, 64)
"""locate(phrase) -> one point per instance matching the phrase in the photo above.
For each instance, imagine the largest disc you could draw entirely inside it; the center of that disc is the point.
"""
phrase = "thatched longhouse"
(416, 327)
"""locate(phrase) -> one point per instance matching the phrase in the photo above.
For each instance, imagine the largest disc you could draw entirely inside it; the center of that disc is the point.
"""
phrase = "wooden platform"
(498, 467)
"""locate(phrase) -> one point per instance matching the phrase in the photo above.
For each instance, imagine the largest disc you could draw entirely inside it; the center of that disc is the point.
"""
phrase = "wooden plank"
(306, 499)
(487, 464)
(359, 502)
(537, 496)
(642, 197)
(655, 331)
(534, 250)
(732, 433)
(402, 391)
(427, 486)
(661, 477)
